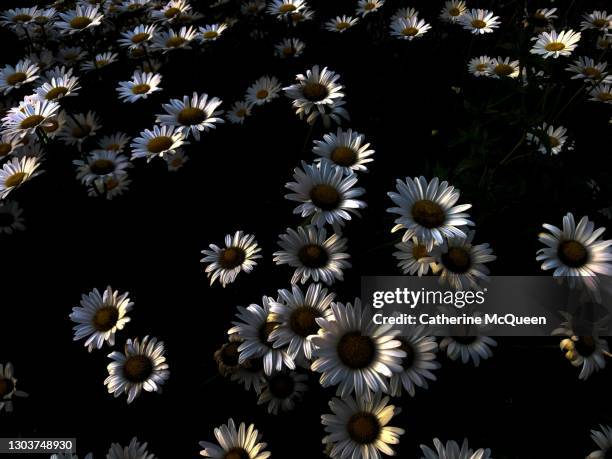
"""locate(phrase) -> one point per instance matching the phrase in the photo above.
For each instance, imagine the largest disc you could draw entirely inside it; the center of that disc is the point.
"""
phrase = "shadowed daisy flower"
(550, 140)
(133, 6)
(10, 217)
(137, 37)
(171, 11)
(341, 23)
(254, 329)
(252, 7)
(282, 390)
(365, 7)
(413, 257)
(404, 13)
(100, 61)
(289, 47)
(8, 387)
(602, 93)
(225, 263)
(170, 40)
(242, 443)
(110, 187)
(28, 117)
(452, 451)
(282, 8)
(480, 66)
(100, 165)
(16, 172)
(327, 195)
(303, 15)
(598, 20)
(212, 32)
(555, 44)
(468, 348)
(140, 87)
(18, 16)
(83, 17)
(9, 145)
(114, 142)
(354, 353)
(161, 141)
(71, 55)
(99, 316)
(193, 116)
(344, 149)
(504, 68)
(452, 11)
(250, 374)
(177, 160)
(239, 112)
(585, 68)
(409, 29)
(135, 450)
(577, 253)
(296, 315)
(79, 127)
(23, 73)
(142, 365)
(264, 90)
(313, 255)
(603, 439)
(479, 21)
(227, 356)
(358, 427)
(427, 210)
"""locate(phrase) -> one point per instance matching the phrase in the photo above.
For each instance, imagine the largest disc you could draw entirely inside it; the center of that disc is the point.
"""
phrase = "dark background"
(525, 402)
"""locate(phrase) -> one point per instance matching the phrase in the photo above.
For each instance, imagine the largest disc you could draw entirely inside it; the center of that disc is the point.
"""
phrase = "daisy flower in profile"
(549, 140)
(172, 11)
(18, 16)
(479, 21)
(466, 348)
(313, 255)
(239, 112)
(409, 29)
(404, 13)
(109, 187)
(365, 7)
(135, 450)
(588, 352)
(289, 47)
(114, 142)
(99, 61)
(9, 145)
(99, 316)
(452, 11)
(282, 390)
(71, 55)
(358, 427)
(8, 387)
(602, 93)
(346, 150)
(56, 88)
(504, 68)
(142, 365)
(81, 18)
(193, 115)
(264, 90)
(598, 20)
(427, 210)
(250, 375)
(413, 257)
(161, 141)
(241, 443)
(133, 6)
(480, 66)
(15, 172)
(254, 328)
(100, 165)
(282, 8)
(303, 15)
(354, 353)
(170, 40)
(555, 44)
(23, 73)
(10, 217)
(341, 23)
(212, 32)
(225, 263)
(603, 439)
(296, 314)
(137, 37)
(139, 87)
(577, 253)
(176, 161)
(585, 68)
(78, 129)
(452, 451)
(542, 19)
(29, 116)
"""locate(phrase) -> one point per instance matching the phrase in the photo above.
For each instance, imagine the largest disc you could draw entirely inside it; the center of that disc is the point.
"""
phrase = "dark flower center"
(600, 22)
(585, 346)
(344, 156)
(175, 42)
(54, 93)
(171, 12)
(265, 330)
(137, 368)
(140, 37)
(363, 428)
(457, 260)
(408, 361)
(231, 257)
(303, 321)
(15, 78)
(230, 354)
(102, 167)
(419, 251)
(253, 365)
(554, 46)
(81, 131)
(315, 92)
(503, 69)
(142, 88)
(313, 256)
(6, 387)
(105, 318)
(465, 340)
(572, 253)
(15, 180)
(22, 18)
(6, 219)
(286, 8)
(5, 149)
(80, 22)
(355, 350)
(190, 116)
(428, 213)
(281, 385)
(159, 144)
(262, 94)
(325, 197)
(479, 24)
(31, 121)
(237, 453)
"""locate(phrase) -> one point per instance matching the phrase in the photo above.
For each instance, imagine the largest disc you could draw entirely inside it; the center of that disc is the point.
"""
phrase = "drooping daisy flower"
(83, 17)
(79, 127)
(603, 439)
(193, 115)
(264, 90)
(480, 66)
(23, 73)
(16, 172)
(358, 427)
(354, 353)
(452, 451)
(142, 365)
(10, 217)
(504, 68)
(341, 23)
(555, 43)
(109, 187)
(282, 8)
(135, 450)
(479, 21)
(99, 61)
(282, 390)
(296, 315)
(29, 116)
(160, 142)
(241, 443)
(239, 112)
(585, 68)
(474, 348)
(212, 32)
(427, 210)
(409, 29)
(598, 20)
(8, 387)
(59, 87)
(139, 87)
(99, 316)
(345, 149)
(100, 165)
(542, 19)
(289, 47)
(452, 11)
(602, 93)
(177, 160)
(139, 36)
(413, 257)
(577, 253)
(554, 139)
(171, 11)
(254, 329)
(114, 142)
(313, 255)
(225, 263)
(170, 40)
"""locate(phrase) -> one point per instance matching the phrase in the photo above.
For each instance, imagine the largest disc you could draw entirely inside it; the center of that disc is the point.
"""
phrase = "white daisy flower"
(297, 316)
(341, 23)
(193, 116)
(79, 127)
(10, 217)
(139, 87)
(176, 161)
(282, 8)
(334, 112)
(602, 93)
(479, 21)
(452, 11)
(225, 263)
(603, 439)
(100, 165)
(303, 15)
(81, 18)
(100, 61)
(577, 253)
(8, 387)
(413, 257)
(452, 451)
(264, 90)
(59, 87)
(289, 47)
(598, 20)
(480, 66)
(160, 142)
(354, 353)
(110, 187)
(212, 32)
(239, 112)
(142, 365)
(365, 7)
(23, 73)
(243, 442)
(9, 145)
(254, 329)
(409, 29)
(504, 68)
(554, 139)
(135, 450)
(282, 390)
(346, 150)
(138, 37)
(28, 117)
(114, 142)
(170, 40)
(313, 255)
(427, 210)
(358, 428)
(474, 348)
(18, 16)
(585, 68)
(555, 44)
(15, 172)
(172, 11)
(99, 316)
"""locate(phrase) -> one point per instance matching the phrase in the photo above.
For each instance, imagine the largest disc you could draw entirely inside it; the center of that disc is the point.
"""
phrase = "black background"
(525, 402)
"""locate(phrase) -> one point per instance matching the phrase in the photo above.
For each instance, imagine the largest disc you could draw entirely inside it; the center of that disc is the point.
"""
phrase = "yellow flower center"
(369, 6)
(159, 144)
(5, 149)
(142, 88)
(140, 37)
(482, 67)
(454, 12)
(80, 22)
(16, 78)
(81, 131)
(190, 116)
(262, 94)
(410, 31)
(419, 251)
(479, 24)
(605, 96)
(503, 69)
(171, 12)
(342, 25)
(554, 46)
(286, 8)
(210, 34)
(343, 156)
(31, 121)
(554, 142)
(102, 166)
(15, 180)
(175, 42)
(55, 93)
(105, 318)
